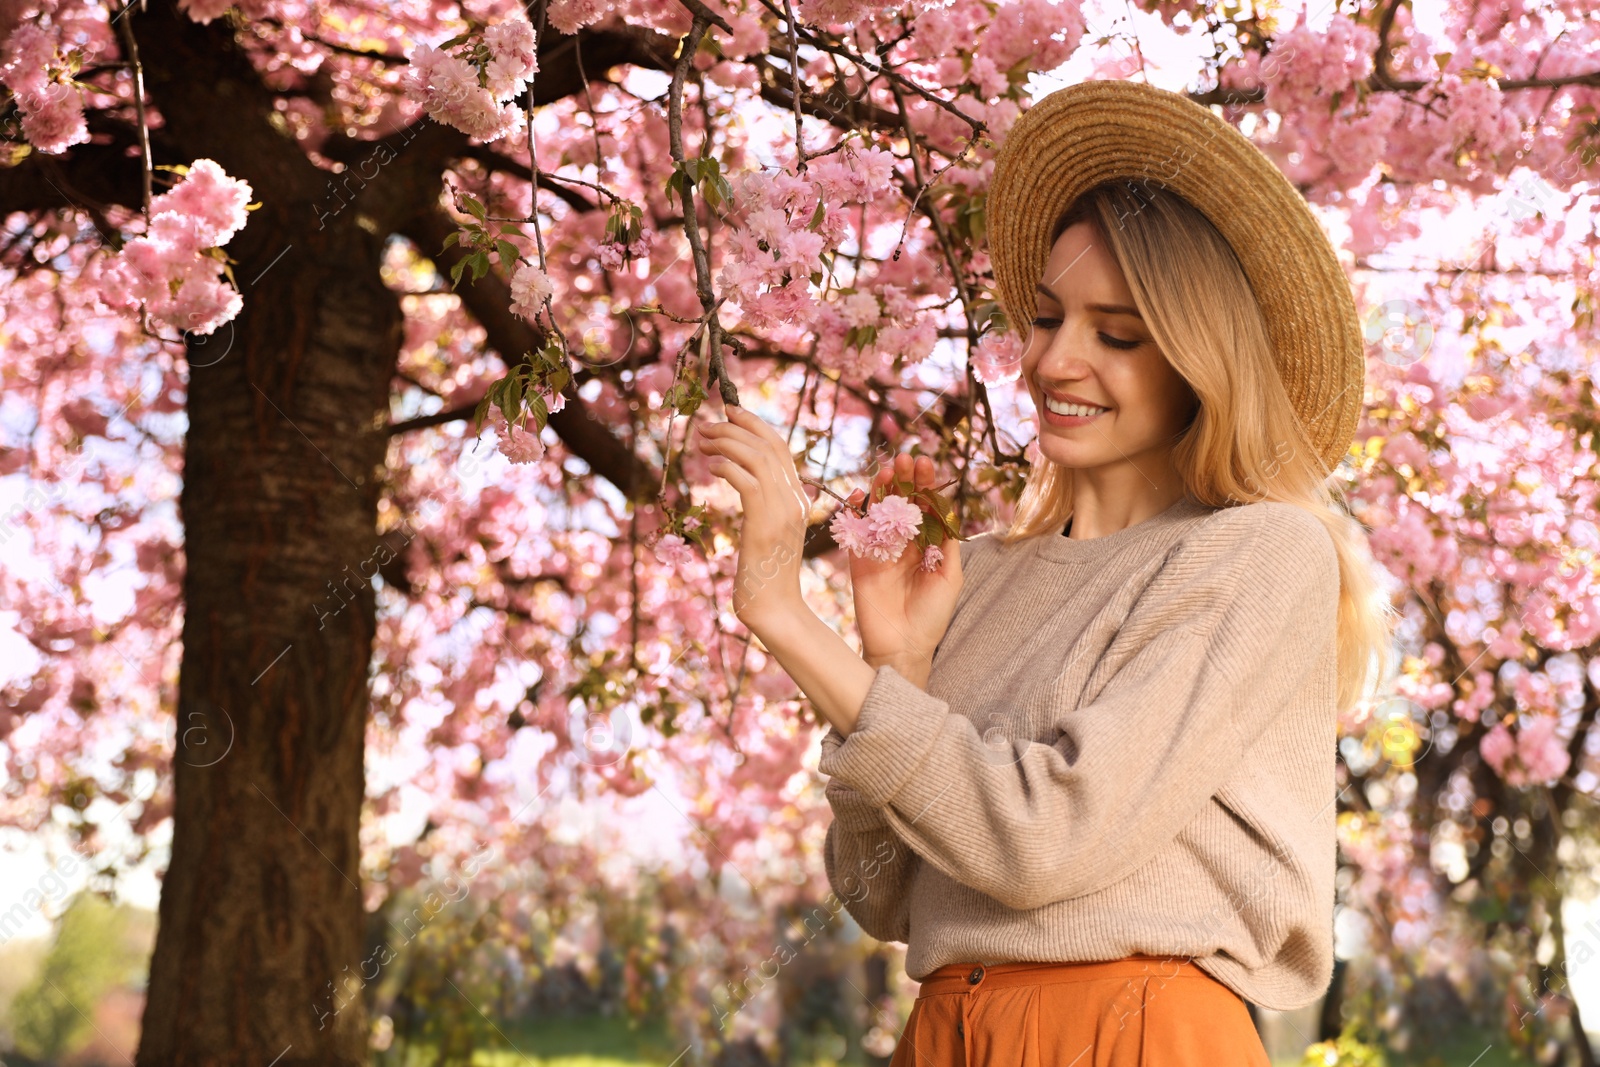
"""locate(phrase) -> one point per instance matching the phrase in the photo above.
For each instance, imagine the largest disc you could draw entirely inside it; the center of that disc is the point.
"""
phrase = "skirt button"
(960, 1030)
(976, 976)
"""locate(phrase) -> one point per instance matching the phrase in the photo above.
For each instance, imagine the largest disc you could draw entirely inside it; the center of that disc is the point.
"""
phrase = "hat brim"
(1098, 131)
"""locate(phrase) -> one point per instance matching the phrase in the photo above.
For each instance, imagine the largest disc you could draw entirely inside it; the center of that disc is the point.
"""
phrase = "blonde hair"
(1246, 442)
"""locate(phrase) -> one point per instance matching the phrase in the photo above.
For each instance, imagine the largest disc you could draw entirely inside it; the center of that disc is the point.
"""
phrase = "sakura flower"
(895, 517)
(568, 16)
(673, 551)
(167, 268)
(530, 288)
(51, 111)
(519, 445)
(52, 118)
(641, 245)
(852, 532)
(514, 44)
(212, 201)
(932, 556)
(610, 253)
(859, 309)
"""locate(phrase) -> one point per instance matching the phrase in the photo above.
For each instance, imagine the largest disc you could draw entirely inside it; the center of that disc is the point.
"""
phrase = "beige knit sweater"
(1127, 745)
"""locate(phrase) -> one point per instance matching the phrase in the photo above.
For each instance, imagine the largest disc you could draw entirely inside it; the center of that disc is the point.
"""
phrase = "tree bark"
(260, 952)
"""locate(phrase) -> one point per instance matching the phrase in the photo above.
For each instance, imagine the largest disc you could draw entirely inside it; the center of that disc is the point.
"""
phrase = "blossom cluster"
(530, 288)
(473, 94)
(50, 104)
(1537, 755)
(787, 223)
(174, 268)
(882, 531)
(521, 445)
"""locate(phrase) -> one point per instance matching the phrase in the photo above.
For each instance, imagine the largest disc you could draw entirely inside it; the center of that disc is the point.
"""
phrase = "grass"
(583, 1042)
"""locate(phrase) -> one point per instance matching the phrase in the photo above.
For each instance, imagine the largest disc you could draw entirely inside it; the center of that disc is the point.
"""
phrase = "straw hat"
(1095, 131)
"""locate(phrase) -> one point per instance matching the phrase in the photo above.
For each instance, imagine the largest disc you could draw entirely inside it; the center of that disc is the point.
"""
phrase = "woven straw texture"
(1096, 131)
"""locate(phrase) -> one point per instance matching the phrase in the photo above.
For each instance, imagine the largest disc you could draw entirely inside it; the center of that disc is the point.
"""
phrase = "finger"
(752, 458)
(742, 480)
(752, 423)
(924, 471)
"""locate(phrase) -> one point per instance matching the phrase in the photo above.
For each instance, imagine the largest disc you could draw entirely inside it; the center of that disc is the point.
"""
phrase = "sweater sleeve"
(868, 864)
(1207, 656)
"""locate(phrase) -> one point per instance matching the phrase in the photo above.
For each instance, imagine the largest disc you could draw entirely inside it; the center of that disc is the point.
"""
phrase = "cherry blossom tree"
(274, 269)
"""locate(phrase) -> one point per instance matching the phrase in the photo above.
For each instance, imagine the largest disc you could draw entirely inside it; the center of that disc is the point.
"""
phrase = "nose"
(1060, 357)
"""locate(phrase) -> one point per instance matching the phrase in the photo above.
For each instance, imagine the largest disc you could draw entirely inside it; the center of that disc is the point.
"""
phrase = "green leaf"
(455, 272)
(480, 265)
(558, 380)
(538, 410)
(514, 391)
(508, 251)
(817, 215)
(455, 235)
(473, 206)
(481, 410)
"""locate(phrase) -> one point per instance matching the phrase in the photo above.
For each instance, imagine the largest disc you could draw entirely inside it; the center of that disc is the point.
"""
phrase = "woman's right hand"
(901, 611)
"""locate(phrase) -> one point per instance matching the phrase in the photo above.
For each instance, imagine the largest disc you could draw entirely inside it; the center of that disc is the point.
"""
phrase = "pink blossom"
(1040, 31)
(873, 172)
(52, 118)
(1537, 755)
(519, 445)
(852, 532)
(515, 46)
(447, 88)
(568, 16)
(1542, 751)
(989, 80)
(932, 556)
(27, 57)
(213, 202)
(530, 288)
(834, 12)
(895, 517)
(610, 254)
(859, 309)
(51, 110)
(202, 304)
(673, 551)
(998, 358)
(167, 268)
(1306, 66)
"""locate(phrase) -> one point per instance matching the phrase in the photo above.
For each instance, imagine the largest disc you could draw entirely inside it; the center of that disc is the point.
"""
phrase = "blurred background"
(369, 684)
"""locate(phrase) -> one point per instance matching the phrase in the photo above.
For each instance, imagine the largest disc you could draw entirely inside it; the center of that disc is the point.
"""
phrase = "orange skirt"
(1140, 1011)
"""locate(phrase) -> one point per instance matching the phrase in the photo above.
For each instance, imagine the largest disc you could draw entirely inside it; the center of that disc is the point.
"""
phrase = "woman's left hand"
(751, 457)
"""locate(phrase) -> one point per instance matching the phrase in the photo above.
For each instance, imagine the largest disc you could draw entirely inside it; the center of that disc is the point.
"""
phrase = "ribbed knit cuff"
(896, 730)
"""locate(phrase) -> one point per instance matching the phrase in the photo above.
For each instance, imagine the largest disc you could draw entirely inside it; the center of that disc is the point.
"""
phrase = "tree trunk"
(260, 950)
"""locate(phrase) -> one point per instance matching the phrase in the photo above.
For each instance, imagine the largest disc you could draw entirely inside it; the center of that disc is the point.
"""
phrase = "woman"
(1086, 768)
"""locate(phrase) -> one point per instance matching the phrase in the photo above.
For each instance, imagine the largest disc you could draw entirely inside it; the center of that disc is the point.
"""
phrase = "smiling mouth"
(1061, 408)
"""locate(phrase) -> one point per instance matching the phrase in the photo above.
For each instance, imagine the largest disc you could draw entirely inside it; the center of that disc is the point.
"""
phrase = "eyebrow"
(1106, 309)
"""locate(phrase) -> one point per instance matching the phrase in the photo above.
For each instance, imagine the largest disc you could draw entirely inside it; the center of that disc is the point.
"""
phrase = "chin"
(1077, 456)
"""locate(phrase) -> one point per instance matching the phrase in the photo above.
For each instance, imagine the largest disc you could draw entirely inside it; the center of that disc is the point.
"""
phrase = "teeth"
(1071, 409)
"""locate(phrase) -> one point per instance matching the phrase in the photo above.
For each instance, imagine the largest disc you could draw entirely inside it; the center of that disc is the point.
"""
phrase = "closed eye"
(1110, 342)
